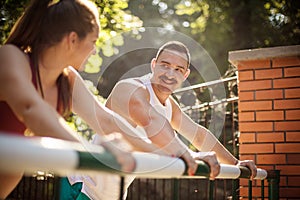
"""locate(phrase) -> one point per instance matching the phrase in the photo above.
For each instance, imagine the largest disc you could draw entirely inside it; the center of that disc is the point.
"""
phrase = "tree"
(221, 26)
(114, 19)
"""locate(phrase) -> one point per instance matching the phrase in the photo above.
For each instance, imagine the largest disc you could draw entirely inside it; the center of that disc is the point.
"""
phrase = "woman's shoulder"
(7, 49)
(15, 58)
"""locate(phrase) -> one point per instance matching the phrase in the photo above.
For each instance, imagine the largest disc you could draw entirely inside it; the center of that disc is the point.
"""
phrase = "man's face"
(169, 70)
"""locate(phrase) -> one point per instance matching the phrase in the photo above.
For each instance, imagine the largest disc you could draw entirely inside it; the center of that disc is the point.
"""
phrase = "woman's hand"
(115, 144)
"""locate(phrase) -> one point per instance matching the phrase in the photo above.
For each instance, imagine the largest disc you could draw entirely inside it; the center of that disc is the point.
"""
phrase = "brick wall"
(269, 113)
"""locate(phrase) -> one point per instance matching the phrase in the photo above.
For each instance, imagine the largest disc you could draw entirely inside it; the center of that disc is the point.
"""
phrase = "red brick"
(294, 181)
(258, 182)
(283, 181)
(256, 191)
(246, 116)
(287, 126)
(269, 115)
(268, 74)
(248, 157)
(255, 105)
(286, 83)
(285, 62)
(289, 193)
(287, 147)
(292, 137)
(255, 126)
(293, 159)
(247, 138)
(286, 104)
(292, 114)
(245, 75)
(289, 169)
(255, 85)
(266, 167)
(244, 182)
(271, 159)
(254, 64)
(270, 137)
(256, 148)
(291, 71)
(246, 96)
(292, 93)
(268, 94)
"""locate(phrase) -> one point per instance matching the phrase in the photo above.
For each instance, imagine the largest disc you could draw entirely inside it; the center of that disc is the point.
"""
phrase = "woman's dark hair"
(43, 24)
(175, 46)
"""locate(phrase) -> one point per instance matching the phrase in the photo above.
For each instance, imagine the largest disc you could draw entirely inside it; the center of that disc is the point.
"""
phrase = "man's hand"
(191, 163)
(211, 159)
(250, 164)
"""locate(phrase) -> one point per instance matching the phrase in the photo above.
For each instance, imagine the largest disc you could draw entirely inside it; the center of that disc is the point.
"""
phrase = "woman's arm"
(17, 90)
(101, 119)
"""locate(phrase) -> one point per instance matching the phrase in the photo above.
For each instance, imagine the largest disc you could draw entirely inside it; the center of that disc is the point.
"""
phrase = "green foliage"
(114, 20)
(10, 11)
(222, 26)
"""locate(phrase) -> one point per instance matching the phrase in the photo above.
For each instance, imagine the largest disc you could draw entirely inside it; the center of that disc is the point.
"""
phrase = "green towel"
(71, 192)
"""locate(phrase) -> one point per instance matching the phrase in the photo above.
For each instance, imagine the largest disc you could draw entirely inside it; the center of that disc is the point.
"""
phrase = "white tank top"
(106, 186)
(164, 110)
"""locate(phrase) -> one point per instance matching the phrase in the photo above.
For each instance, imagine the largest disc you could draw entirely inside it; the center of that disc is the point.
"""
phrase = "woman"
(39, 82)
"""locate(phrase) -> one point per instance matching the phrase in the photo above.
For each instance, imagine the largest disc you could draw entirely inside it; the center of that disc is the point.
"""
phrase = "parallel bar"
(62, 157)
(205, 84)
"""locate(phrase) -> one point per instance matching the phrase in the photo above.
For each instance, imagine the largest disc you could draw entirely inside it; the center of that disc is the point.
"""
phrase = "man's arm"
(131, 100)
(203, 139)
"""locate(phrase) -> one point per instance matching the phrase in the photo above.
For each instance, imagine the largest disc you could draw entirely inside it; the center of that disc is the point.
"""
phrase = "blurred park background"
(218, 26)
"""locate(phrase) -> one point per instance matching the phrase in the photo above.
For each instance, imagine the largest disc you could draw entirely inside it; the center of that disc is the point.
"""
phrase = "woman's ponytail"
(26, 31)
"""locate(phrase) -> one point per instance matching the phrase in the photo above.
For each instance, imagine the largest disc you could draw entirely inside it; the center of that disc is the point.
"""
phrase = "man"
(140, 101)
(146, 103)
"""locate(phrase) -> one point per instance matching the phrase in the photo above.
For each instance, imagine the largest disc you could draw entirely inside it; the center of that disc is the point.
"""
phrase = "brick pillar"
(269, 113)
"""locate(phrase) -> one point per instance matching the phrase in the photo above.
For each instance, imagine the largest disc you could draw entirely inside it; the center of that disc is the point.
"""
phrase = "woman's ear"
(72, 39)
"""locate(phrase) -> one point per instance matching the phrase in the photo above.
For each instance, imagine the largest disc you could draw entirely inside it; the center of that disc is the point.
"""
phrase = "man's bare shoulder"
(129, 90)
(130, 84)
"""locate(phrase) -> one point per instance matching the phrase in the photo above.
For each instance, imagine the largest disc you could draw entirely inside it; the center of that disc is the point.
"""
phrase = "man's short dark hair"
(175, 46)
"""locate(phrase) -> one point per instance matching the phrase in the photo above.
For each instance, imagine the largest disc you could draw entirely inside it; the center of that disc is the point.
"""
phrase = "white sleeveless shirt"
(107, 186)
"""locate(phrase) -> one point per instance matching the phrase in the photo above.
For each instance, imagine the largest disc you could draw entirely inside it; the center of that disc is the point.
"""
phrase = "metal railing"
(183, 187)
(62, 158)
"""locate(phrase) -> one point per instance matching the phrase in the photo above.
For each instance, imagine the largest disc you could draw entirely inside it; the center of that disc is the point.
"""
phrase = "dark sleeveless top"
(9, 123)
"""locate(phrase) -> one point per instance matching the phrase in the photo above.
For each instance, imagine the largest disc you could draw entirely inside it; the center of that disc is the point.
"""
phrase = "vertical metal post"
(122, 183)
(175, 189)
(235, 188)
(273, 182)
(249, 189)
(262, 189)
(211, 187)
